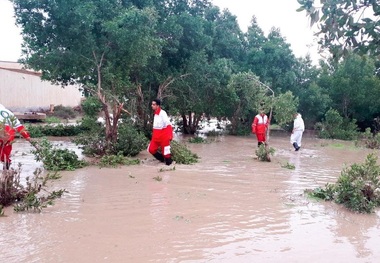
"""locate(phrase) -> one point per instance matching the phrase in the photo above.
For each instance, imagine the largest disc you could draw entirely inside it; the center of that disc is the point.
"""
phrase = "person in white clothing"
(297, 132)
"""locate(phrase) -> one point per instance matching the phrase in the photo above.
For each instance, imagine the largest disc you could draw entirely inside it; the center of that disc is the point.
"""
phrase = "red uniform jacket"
(260, 123)
(162, 127)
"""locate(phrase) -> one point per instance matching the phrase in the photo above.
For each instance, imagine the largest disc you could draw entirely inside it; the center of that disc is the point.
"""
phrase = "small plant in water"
(357, 188)
(264, 152)
(167, 168)
(157, 178)
(197, 139)
(26, 197)
(55, 159)
(289, 166)
(181, 154)
(116, 160)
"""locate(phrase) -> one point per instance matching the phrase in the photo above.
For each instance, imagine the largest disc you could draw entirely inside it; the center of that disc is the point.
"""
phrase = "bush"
(335, 127)
(181, 154)
(91, 106)
(116, 160)
(26, 197)
(130, 141)
(263, 153)
(357, 188)
(55, 159)
(371, 141)
(53, 130)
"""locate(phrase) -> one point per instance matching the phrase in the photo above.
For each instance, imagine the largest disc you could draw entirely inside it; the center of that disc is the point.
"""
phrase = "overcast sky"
(294, 26)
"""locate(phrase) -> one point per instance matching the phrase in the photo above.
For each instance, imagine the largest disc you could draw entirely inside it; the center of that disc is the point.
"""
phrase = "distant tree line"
(192, 55)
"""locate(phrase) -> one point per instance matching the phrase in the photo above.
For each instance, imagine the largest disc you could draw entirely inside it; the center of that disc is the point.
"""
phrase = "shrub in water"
(181, 154)
(357, 188)
(130, 141)
(264, 152)
(55, 159)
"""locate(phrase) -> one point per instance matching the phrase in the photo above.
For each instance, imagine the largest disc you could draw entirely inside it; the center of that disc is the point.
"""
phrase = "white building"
(23, 90)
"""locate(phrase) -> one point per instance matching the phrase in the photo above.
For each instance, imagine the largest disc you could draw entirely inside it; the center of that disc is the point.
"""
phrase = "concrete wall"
(22, 90)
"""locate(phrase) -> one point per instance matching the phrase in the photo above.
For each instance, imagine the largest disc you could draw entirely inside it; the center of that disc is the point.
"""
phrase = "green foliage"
(101, 45)
(246, 97)
(116, 160)
(264, 152)
(26, 197)
(181, 154)
(326, 193)
(197, 139)
(55, 159)
(357, 187)
(353, 87)
(52, 119)
(92, 144)
(371, 141)
(59, 130)
(91, 106)
(130, 141)
(271, 59)
(341, 23)
(335, 127)
(289, 166)
(90, 125)
(314, 102)
(285, 106)
(33, 202)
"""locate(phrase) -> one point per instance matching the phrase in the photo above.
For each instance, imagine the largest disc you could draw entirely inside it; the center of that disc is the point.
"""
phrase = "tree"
(346, 25)
(255, 41)
(313, 100)
(96, 43)
(273, 61)
(354, 88)
(227, 38)
(244, 97)
(285, 105)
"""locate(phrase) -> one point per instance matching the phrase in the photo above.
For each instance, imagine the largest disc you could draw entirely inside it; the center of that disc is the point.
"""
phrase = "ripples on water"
(227, 208)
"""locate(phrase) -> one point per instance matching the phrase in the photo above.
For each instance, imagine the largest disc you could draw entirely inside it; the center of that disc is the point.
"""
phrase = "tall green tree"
(245, 96)
(273, 62)
(95, 43)
(354, 88)
(314, 101)
(255, 39)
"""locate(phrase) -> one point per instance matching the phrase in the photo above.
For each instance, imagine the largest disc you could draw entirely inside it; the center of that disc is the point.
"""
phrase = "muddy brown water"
(229, 207)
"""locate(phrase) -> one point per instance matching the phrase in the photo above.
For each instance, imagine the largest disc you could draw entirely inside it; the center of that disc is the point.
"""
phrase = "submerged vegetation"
(116, 160)
(31, 196)
(181, 154)
(264, 152)
(55, 159)
(357, 188)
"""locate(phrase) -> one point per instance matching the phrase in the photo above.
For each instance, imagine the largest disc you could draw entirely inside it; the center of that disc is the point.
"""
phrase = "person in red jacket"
(162, 134)
(9, 125)
(259, 127)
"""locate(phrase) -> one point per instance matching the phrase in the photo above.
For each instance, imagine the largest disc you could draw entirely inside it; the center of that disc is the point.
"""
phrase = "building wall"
(22, 90)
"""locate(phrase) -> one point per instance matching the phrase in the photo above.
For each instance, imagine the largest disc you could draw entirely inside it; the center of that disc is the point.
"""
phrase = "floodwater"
(229, 208)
